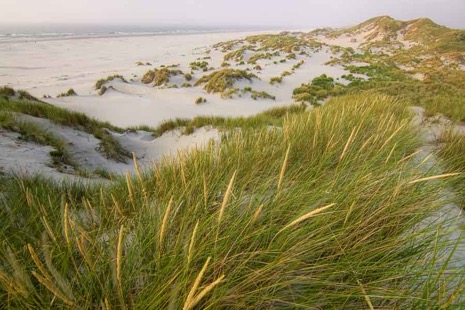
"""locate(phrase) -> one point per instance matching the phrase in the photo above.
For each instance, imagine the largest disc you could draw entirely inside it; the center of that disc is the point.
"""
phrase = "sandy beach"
(52, 67)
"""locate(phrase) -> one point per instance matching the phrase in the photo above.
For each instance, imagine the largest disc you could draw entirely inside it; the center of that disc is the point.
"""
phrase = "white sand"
(52, 67)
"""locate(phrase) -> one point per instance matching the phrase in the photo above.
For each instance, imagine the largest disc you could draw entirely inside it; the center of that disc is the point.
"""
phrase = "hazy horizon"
(222, 13)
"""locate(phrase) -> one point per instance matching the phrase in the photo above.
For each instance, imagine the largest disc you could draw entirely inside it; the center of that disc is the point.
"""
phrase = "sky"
(286, 13)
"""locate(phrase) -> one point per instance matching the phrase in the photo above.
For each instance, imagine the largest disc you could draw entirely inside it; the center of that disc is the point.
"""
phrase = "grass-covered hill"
(348, 200)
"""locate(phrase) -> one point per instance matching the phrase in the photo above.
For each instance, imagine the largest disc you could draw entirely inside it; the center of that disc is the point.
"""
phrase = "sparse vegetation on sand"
(257, 56)
(200, 100)
(298, 65)
(109, 146)
(188, 76)
(222, 80)
(255, 95)
(276, 80)
(104, 89)
(159, 77)
(31, 132)
(69, 93)
(199, 65)
(328, 217)
(110, 78)
(140, 63)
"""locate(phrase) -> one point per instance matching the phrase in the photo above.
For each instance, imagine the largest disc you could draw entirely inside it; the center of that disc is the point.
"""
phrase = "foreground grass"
(321, 214)
(452, 153)
(109, 146)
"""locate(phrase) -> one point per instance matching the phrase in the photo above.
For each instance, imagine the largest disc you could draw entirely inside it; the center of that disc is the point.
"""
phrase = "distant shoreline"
(32, 39)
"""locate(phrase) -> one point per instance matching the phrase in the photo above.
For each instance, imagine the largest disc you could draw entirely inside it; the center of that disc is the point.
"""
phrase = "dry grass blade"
(307, 216)
(226, 197)
(191, 244)
(119, 258)
(367, 298)
(204, 292)
(283, 169)
(440, 176)
(66, 223)
(196, 284)
(347, 144)
(257, 214)
(53, 289)
(164, 223)
(37, 261)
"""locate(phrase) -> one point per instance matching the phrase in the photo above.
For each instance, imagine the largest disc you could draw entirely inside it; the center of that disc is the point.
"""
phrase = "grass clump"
(257, 56)
(159, 77)
(110, 78)
(7, 91)
(276, 80)
(298, 65)
(200, 100)
(69, 93)
(222, 80)
(317, 220)
(188, 76)
(255, 95)
(320, 88)
(199, 65)
(104, 89)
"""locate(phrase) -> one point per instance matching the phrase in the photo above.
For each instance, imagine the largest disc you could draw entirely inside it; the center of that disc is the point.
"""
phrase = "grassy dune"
(322, 213)
(110, 147)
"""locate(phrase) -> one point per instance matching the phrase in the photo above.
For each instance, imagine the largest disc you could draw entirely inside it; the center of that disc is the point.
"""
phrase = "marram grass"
(321, 214)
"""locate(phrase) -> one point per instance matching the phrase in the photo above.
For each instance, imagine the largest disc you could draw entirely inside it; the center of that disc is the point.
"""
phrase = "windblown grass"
(452, 153)
(320, 214)
(271, 117)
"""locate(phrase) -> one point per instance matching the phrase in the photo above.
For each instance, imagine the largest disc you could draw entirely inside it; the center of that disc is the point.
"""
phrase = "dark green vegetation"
(317, 220)
(109, 146)
(223, 80)
(159, 77)
(319, 89)
(101, 82)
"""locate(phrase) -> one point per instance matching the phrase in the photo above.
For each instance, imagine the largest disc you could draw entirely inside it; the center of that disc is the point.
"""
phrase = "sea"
(50, 32)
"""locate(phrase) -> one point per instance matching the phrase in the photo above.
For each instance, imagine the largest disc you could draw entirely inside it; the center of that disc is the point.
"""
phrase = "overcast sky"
(290, 13)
